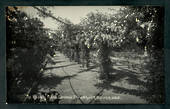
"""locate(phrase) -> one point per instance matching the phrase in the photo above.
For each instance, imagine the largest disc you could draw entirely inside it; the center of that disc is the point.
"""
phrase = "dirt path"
(79, 85)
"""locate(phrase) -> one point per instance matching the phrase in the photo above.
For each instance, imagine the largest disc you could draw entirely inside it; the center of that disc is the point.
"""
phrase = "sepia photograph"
(85, 54)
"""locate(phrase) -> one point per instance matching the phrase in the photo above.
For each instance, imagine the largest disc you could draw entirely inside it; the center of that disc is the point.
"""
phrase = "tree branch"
(49, 15)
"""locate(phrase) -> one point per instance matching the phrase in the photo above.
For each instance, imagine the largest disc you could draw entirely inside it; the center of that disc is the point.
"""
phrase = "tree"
(152, 19)
(110, 31)
(27, 47)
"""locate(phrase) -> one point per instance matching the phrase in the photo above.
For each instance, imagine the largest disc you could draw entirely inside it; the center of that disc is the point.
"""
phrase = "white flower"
(137, 39)
(137, 20)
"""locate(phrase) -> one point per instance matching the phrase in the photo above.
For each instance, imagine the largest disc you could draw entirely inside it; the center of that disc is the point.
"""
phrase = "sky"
(73, 13)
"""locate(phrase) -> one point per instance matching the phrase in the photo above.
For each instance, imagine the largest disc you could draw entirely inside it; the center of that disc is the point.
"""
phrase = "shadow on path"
(53, 80)
(49, 82)
(133, 77)
(88, 69)
(121, 90)
(117, 76)
(47, 68)
(56, 62)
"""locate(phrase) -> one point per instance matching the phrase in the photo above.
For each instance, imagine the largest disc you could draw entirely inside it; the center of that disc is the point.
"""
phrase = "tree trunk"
(104, 61)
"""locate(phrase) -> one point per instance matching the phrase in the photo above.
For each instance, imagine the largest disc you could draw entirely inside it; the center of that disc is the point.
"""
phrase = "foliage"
(27, 47)
(151, 18)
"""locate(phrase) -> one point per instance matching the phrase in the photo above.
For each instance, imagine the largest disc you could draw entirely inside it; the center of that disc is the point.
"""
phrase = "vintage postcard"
(85, 54)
